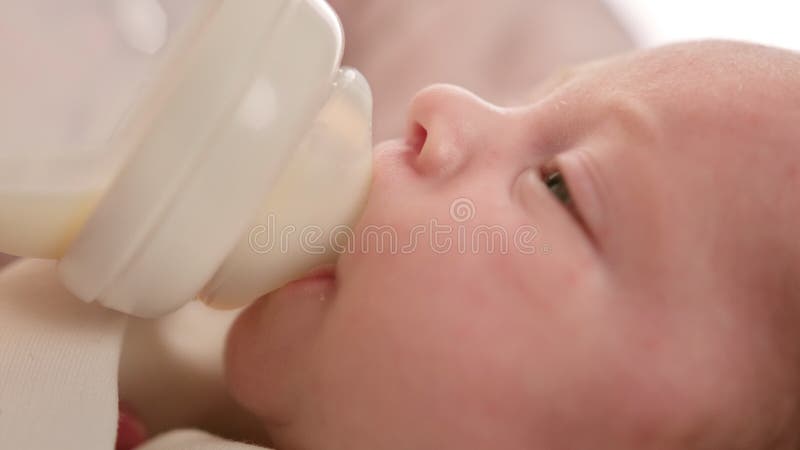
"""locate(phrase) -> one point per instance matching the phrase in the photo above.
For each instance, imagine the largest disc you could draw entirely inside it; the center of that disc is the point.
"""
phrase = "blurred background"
(655, 22)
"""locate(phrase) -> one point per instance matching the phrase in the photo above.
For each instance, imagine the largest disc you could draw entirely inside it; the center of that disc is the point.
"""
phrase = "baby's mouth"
(318, 283)
(319, 273)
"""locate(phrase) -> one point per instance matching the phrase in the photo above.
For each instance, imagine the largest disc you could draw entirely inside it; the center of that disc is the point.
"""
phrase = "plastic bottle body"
(171, 171)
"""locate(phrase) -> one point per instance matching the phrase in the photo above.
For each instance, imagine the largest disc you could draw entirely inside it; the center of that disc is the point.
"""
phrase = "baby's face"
(613, 266)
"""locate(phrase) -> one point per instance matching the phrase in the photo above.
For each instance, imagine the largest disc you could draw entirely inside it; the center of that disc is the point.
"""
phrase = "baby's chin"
(267, 343)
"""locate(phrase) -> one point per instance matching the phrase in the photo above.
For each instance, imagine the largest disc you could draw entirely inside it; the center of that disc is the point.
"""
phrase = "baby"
(615, 266)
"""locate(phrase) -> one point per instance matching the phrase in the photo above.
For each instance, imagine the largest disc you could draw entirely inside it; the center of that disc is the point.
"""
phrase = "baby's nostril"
(417, 136)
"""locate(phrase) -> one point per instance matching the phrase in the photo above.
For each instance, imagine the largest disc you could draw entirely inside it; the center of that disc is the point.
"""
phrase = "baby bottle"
(167, 150)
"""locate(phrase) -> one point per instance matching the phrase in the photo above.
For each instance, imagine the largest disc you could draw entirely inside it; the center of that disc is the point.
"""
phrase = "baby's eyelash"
(558, 186)
(555, 182)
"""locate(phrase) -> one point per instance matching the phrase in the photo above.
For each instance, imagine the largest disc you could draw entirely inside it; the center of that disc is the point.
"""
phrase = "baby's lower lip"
(322, 275)
(316, 285)
(324, 271)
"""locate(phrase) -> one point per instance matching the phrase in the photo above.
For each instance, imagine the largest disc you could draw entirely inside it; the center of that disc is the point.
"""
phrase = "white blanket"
(60, 378)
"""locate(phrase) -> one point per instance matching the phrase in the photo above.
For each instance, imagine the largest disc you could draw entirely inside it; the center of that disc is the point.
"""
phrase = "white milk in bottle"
(72, 71)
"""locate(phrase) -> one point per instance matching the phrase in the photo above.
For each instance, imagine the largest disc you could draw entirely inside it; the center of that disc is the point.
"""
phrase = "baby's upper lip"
(393, 145)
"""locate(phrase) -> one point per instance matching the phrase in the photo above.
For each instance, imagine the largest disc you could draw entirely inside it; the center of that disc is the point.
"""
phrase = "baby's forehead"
(700, 87)
(717, 101)
(685, 88)
(710, 71)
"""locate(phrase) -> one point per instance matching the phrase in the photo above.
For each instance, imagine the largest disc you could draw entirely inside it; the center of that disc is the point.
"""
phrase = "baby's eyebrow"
(631, 113)
(588, 112)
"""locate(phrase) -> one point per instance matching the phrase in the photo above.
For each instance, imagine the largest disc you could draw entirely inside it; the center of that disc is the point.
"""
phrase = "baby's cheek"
(243, 368)
(689, 372)
(267, 354)
(412, 386)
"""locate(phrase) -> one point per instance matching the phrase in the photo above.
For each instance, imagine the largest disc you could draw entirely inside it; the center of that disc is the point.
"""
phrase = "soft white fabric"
(59, 377)
(193, 440)
(58, 365)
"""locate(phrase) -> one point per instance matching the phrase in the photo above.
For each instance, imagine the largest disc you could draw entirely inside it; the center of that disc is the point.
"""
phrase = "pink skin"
(663, 316)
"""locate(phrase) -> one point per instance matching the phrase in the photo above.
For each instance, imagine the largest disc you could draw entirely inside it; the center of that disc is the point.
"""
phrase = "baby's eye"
(553, 177)
(558, 186)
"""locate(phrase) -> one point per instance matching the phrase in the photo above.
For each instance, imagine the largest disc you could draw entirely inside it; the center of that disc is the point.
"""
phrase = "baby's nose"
(448, 126)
